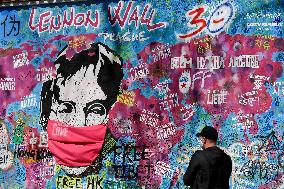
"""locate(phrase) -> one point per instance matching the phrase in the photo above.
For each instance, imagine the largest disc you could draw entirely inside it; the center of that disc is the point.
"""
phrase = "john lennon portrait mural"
(75, 106)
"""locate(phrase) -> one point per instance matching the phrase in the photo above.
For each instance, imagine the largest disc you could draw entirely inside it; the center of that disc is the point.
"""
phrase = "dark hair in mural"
(109, 77)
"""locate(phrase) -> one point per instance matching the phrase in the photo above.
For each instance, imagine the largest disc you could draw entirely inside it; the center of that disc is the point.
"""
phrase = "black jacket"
(208, 169)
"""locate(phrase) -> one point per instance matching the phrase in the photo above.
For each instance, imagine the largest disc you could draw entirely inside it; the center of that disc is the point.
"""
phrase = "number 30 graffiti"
(217, 21)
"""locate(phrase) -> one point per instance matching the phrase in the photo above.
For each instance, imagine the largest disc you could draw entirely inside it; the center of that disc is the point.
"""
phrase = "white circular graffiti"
(220, 17)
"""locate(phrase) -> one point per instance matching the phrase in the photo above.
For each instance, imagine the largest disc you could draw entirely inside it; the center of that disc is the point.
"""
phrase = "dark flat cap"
(209, 133)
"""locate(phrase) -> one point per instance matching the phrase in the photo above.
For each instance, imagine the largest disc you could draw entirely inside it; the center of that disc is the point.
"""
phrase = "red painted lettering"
(121, 21)
(52, 23)
(195, 20)
(44, 19)
(47, 22)
(134, 17)
(90, 21)
(31, 20)
(148, 21)
(79, 19)
(68, 22)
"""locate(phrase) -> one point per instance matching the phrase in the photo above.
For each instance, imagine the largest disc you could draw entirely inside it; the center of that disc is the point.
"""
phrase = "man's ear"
(204, 140)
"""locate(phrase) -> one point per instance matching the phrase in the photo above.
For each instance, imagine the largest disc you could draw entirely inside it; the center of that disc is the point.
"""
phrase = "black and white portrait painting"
(75, 106)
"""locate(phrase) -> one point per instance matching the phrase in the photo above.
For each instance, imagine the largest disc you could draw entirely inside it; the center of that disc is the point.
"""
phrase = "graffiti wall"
(111, 94)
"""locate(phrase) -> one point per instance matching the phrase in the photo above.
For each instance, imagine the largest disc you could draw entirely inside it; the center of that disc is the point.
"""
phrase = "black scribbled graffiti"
(124, 165)
(255, 169)
(13, 24)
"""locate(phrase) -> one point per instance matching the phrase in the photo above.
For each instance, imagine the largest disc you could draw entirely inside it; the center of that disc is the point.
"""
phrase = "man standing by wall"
(211, 167)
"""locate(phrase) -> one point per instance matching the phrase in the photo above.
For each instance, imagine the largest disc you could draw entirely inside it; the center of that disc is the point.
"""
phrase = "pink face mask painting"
(75, 146)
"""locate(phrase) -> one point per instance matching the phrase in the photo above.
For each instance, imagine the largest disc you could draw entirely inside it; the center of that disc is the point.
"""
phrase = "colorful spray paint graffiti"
(149, 75)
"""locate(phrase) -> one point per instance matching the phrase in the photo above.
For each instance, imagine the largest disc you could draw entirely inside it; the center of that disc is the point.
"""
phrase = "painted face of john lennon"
(79, 98)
